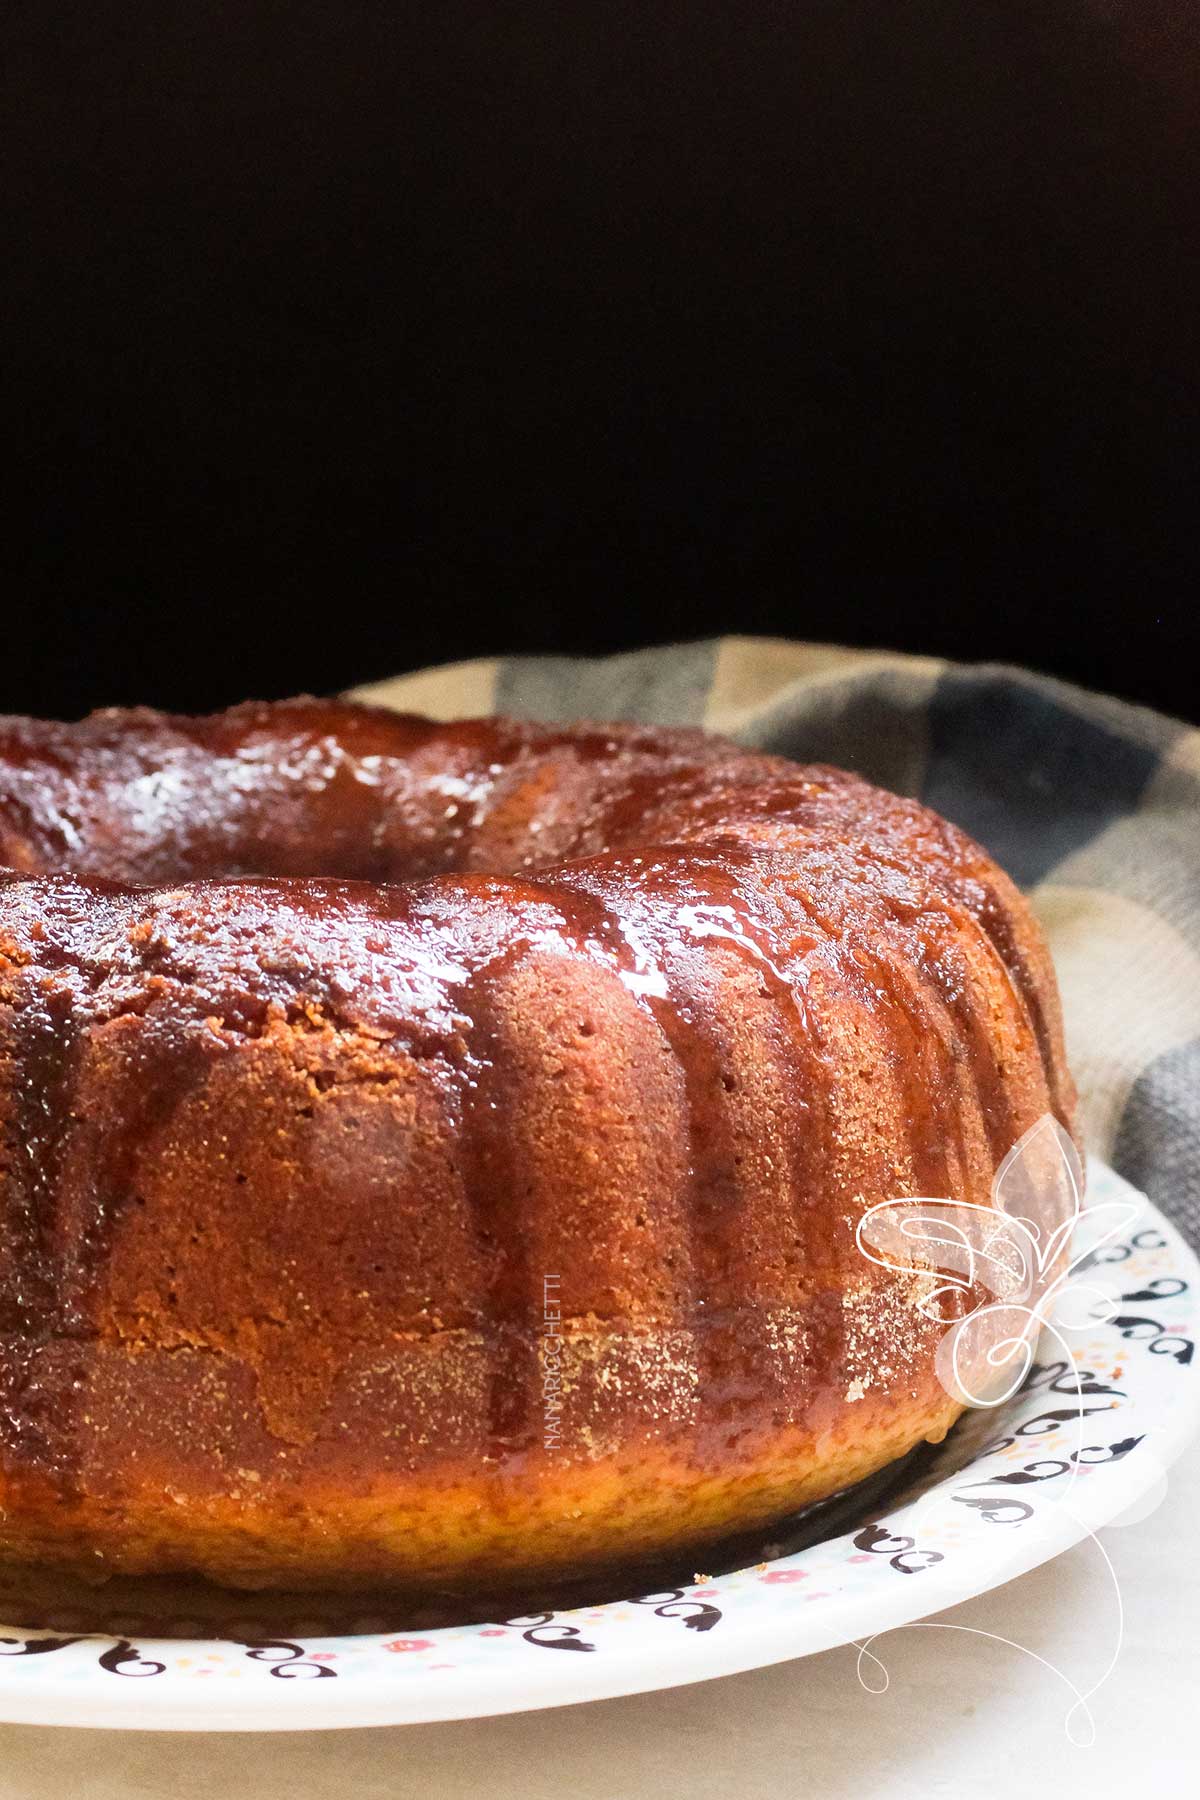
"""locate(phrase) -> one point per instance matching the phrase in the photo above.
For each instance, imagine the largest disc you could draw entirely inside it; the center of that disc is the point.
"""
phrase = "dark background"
(347, 337)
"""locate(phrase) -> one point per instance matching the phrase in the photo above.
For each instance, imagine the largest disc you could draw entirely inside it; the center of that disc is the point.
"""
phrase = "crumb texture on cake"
(328, 1034)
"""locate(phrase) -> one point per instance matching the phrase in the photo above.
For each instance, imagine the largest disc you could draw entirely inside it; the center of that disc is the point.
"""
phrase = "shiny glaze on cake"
(327, 1033)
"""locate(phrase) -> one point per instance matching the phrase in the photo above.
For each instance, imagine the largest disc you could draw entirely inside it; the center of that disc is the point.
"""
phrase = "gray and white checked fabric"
(1091, 804)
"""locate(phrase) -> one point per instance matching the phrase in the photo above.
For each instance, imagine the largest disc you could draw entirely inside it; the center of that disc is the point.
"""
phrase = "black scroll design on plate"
(1045, 1424)
(114, 1661)
(1059, 1377)
(288, 1661)
(1047, 1469)
(1158, 1340)
(901, 1552)
(1008, 1510)
(120, 1658)
(540, 1629)
(677, 1603)
(37, 1646)
(1149, 1239)
(996, 1509)
(1163, 1287)
(1139, 1328)
(1062, 1377)
(1102, 1453)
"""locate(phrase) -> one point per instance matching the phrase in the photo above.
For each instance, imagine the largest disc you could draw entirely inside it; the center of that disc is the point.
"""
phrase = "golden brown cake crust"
(328, 1034)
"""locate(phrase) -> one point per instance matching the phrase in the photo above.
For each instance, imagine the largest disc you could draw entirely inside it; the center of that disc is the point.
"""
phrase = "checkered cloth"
(1091, 804)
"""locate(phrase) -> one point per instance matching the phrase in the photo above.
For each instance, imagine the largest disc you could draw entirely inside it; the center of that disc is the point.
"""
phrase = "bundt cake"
(434, 1151)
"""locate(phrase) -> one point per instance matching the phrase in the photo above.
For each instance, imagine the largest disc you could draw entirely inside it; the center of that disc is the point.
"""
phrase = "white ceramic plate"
(1009, 1489)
